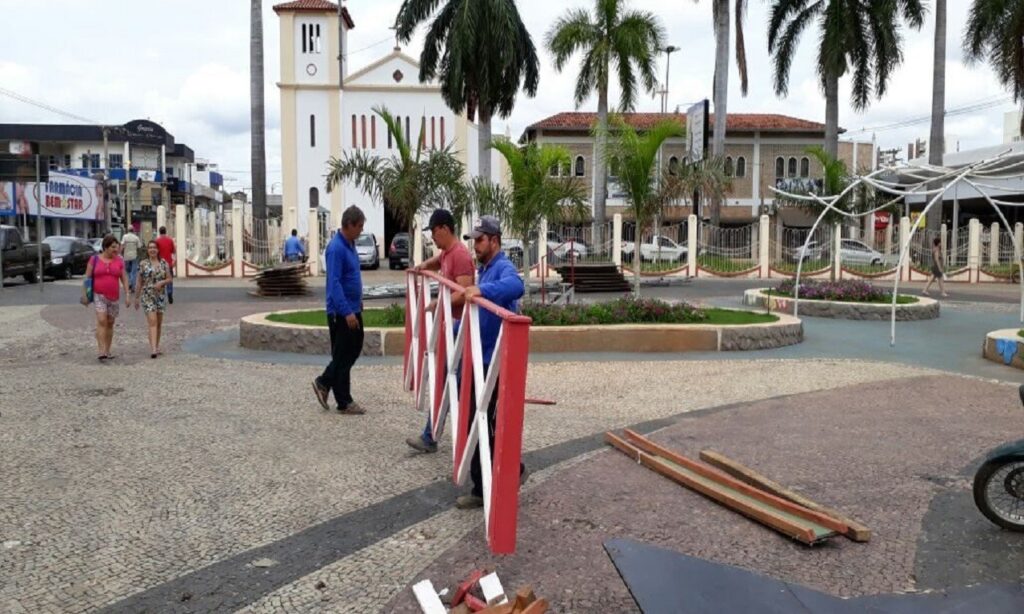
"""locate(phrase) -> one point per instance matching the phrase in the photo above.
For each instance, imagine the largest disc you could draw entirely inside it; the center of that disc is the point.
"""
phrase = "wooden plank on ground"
(855, 531)
(427, 597)
(787, 524)
(727, 480)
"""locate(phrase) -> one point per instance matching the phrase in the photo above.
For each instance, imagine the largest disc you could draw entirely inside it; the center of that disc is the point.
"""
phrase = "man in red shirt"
(456, 264)
(165, 247)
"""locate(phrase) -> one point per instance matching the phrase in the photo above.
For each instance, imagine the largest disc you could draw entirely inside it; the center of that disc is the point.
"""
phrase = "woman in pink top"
(106, 270)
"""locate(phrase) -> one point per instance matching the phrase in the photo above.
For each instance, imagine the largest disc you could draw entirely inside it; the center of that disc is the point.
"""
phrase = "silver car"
(366, 248)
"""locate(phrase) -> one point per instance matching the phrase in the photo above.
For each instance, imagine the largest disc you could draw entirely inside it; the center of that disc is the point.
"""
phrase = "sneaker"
(469, 502)
(170, 299)
(417, 443)
(353, 409)
(321, 394)
(524, 475)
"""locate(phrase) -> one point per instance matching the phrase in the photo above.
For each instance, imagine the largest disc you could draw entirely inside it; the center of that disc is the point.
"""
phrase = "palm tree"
(861, 37)
(937, 141)
(258, 160)
(630, 40)
(535, 195)
(637, 160)
(481, 53)
(407, 183)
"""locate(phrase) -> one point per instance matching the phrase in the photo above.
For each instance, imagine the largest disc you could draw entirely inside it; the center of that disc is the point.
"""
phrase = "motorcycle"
(999, 484)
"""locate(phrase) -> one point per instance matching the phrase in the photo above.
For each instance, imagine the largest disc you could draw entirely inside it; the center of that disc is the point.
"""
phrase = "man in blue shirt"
(293, 250)
(344, 313)
(498, 281)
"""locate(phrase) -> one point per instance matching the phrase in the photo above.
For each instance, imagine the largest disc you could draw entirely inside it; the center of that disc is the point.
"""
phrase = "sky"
(185, 65)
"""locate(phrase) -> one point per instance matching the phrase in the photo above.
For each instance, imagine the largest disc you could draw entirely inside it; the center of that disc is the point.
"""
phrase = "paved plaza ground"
(209, 480)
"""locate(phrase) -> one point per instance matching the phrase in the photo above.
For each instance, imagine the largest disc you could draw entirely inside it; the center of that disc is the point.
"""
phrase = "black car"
(398, 253)
(68, 256)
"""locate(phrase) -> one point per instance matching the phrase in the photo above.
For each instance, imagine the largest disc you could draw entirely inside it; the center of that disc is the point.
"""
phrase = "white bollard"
(692, 247)
(313, 243)
(617, 239)
(211, 218)
(904, 240)
(763, 250)
(237, 255)
(974, 250)
(837, 254)
(161, 216)
(180, 239)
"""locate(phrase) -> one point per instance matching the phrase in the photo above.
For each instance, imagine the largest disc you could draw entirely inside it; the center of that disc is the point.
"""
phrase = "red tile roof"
(315, 6)
(736, 122)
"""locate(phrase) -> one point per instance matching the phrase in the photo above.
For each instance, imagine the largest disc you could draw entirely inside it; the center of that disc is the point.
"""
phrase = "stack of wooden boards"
(282, 280)
(742, 490)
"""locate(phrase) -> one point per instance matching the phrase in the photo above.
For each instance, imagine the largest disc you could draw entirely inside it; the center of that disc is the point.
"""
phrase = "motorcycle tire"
(1002, 476)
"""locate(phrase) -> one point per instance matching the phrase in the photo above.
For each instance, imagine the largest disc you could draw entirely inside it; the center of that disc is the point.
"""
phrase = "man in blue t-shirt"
(344, 313)
(293, 250)
(498, 281)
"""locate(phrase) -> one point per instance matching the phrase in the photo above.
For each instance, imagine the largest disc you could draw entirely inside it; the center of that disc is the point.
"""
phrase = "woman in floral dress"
(150, 291)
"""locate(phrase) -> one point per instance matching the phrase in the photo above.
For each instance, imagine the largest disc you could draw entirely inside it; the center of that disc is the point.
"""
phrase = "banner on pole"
(62, 196)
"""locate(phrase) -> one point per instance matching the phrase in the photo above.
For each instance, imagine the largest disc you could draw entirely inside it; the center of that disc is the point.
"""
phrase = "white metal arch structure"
(447, 376)
(1007, 164)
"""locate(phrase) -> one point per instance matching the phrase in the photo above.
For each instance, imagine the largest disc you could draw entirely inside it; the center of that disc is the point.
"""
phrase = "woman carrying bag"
(102, 276)
(154, 276)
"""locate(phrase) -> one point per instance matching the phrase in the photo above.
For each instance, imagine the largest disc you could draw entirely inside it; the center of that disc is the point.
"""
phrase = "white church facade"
(320, 120)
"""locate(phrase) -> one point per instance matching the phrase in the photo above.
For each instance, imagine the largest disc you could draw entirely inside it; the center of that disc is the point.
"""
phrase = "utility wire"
(978, 105)
(43, 105)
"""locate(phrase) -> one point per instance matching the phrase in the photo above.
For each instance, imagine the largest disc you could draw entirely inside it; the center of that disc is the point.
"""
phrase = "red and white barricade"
(432, 356)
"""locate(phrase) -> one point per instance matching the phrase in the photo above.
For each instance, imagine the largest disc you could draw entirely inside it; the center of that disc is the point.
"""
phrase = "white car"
(658, 248)
(560, 247)
(851, 251)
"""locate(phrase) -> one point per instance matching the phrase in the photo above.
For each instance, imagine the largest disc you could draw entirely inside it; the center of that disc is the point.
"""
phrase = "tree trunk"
(484, 143)
(832, 116)
(526, 267)
(721, 92)
(601, 167)
(937, 141)
(257, 112)
(637, 260)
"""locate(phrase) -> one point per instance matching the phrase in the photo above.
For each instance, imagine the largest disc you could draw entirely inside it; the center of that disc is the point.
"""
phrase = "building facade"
(763, 151)
(328, 111)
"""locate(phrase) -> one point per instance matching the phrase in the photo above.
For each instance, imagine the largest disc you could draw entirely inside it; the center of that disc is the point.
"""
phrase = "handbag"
(87, 292)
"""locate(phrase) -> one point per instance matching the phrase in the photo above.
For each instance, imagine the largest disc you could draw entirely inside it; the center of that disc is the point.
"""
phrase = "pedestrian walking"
(938, 268)
(165, 245)
(130, 244)
(105, 271)
(497, 281)
(293, 248)
(455, 264)
(344, 314)
(154, 277)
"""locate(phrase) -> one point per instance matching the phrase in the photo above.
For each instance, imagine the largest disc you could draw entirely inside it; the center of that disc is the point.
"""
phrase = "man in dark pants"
(344, 314)
(497, 281)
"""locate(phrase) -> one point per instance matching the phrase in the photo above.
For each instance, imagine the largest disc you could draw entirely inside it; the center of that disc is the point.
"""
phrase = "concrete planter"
(258, 333)
(1005, 347)
(924, 309)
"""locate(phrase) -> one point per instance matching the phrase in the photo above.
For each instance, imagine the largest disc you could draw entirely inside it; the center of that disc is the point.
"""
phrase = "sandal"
(102, 357)
(153, 355)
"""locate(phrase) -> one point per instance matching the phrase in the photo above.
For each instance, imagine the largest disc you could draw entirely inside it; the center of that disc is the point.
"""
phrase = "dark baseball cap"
(486, 225)
(441, 217)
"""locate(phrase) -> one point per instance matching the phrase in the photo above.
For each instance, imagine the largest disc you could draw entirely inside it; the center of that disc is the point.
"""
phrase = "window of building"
(433, 132)
(566, 169)
(792, 167)
(780, 168)
(389, 140)
(673, 166)
(354, 143)
(741, 167)
(311, 42)
(67, 160)
(442, 132)
(613, 167)
(312, 130)
(95, 159)
(116, 160)
(553, 171)
(373, 131)
(362, 124)
(423, 131)
(805, 167)
(728, 166)
(579, 166)
(408, 132)
(317, 39)
(51, 162)
(169, 171)
(314, 198)
(305, 41)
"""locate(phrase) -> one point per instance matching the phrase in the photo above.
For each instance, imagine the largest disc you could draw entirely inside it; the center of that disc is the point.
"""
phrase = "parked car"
(813, 251)
(96, 243)
(68, 256)
(658, 248)
(852, 251)
(561, 246)
(366, 248)
(398, 253)
(20, 258)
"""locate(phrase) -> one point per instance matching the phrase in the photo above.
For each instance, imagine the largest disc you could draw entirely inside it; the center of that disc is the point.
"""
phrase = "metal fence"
(662, 249)
(999, 254)
(583, 244)
(857, 256)
(958, 248)
(786, 249)
(727, 250)
(261, 241)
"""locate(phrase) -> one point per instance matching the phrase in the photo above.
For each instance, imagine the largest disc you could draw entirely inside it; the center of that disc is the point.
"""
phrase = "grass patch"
(388, 317)
(628, 310)
(870, 269)
(1000, 270)
(808, 267)
(656, 266)
(721, 264)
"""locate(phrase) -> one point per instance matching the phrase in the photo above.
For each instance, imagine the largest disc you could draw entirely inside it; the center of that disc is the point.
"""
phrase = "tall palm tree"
(257, 113)
(937, 140)
(720, 94)
(481, 53)
(637, 160)
(993, 34)
(406, 183)
(861, 37)
(613, 37)
(534, 194)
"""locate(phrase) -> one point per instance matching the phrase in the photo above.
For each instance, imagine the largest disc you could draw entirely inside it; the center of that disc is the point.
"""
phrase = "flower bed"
(847, 291)
(846, 300)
